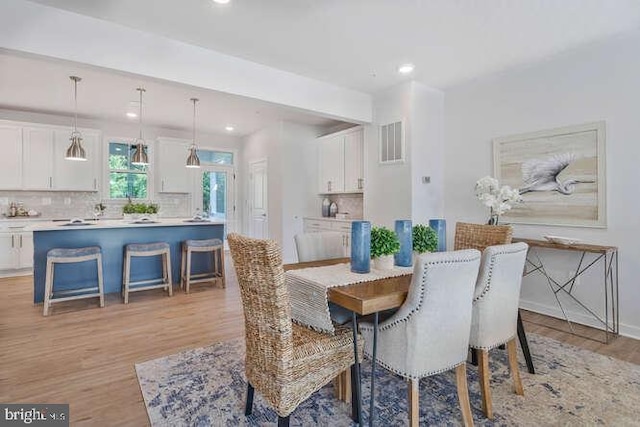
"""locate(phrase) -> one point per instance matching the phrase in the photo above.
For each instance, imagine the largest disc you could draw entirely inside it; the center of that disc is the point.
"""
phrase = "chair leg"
(168, 273)
(283, 421)
(127, 277)
(414, 402)
(337, 387)
(522, 336)
(222, 272)
(249, 405)
(513, 366)
(463, 394)
(483, 373)
(355, 394)
(100, 281)
(346, 385)
(48, 286)
(188, 271)
(183, 260)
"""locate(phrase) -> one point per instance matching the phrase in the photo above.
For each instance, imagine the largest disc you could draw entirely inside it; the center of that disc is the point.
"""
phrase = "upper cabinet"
(171, 171)
(340, 162)
(34, 159)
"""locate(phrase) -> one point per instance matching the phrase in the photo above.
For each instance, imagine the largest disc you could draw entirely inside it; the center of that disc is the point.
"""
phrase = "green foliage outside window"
(125, 179)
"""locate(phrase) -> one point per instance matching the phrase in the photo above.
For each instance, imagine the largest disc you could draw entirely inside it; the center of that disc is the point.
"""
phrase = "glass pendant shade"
(139, 156)
(75, 150)
(193, 161)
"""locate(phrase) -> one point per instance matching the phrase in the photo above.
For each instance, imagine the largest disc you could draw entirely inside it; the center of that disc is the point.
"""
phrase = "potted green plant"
(425, 239)
(135, 211)
(384, 243)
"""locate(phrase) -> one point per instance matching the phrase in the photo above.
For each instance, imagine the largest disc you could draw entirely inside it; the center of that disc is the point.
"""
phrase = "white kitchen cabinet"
(11, 159)
(315, 225)
(16, 250)
(37, 158)
(353, 162)
(74, 175)
(340, 162)
(173, 175)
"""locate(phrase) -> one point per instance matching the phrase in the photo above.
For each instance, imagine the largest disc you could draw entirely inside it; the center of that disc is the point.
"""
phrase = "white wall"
(596, 83)
(395, 191)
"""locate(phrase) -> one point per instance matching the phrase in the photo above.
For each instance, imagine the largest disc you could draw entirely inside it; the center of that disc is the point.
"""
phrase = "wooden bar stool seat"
(146, 250)
(216, 248)
(68, 256)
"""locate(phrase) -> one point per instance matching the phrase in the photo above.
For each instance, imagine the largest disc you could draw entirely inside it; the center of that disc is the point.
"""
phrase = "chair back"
(317, 246)
(497, 295)
(479, 236)
(436, 314)
(267, 312)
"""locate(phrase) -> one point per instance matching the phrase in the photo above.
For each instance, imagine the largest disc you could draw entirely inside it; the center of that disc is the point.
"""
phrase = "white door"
(215, 192)
(258, 220)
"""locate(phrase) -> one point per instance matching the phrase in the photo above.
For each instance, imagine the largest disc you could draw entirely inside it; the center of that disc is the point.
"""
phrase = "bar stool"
(68, 256)
(146, 250)
(215, 247)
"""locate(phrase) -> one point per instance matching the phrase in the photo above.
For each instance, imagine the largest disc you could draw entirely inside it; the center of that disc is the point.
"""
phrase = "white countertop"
(328, 218)
(119, 223)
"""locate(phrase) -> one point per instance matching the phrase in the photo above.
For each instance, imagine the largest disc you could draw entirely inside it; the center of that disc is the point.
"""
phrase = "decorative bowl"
(562, 240)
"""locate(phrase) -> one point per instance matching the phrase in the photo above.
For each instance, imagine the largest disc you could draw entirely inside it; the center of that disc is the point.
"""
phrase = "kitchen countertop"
(326, 218)
(119, 223)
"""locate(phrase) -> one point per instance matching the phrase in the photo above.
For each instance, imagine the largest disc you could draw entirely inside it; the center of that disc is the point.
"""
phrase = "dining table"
(370, 298)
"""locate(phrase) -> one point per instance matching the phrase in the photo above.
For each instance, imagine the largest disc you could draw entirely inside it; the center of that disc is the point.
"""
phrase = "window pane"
(125, 179)
(138, 185)
(118, 185)
(215, 157)
(118, 156)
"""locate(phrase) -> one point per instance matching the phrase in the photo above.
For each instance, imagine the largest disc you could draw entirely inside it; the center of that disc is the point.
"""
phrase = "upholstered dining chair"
(429, 334)
(495, 312)
(479, 236)
(285, 362)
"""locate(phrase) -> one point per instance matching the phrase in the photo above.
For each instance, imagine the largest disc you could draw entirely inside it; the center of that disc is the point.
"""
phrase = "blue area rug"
(206, 387)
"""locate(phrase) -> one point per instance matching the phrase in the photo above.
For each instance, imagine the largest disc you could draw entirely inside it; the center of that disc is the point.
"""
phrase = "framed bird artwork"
(560, 174)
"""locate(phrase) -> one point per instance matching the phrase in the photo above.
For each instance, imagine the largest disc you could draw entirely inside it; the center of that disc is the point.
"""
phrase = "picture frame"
(560, 174)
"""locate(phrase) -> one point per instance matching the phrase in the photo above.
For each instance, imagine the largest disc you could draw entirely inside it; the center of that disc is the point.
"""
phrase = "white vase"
(384, 262)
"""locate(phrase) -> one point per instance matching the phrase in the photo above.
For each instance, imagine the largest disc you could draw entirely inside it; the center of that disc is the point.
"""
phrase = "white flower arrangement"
(498, 199)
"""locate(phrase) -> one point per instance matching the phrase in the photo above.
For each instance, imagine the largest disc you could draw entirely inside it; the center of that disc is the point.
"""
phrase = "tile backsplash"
(347, 203)
(71, 204)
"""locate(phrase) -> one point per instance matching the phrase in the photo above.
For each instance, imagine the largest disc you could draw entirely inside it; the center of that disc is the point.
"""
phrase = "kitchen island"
(112, 236)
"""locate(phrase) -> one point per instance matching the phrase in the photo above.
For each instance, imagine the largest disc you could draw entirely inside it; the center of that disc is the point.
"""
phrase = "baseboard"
(15, 273)
(625, 330)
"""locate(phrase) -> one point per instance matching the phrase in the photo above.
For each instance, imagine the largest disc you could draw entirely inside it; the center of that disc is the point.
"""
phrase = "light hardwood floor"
(84, 355)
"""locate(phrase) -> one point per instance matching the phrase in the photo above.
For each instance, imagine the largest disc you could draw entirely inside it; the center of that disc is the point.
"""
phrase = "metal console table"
(591, 256)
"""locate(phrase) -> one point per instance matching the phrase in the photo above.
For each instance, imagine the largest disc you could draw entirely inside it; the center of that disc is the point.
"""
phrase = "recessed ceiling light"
(221, 1)
(229, 128)
(132, 115)
(405, 68)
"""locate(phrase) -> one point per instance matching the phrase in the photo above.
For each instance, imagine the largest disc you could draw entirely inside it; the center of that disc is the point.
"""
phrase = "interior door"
(258, 220)
(216, 189)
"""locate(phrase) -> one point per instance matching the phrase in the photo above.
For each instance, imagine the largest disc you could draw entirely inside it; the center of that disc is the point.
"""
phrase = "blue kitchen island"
(112, 237)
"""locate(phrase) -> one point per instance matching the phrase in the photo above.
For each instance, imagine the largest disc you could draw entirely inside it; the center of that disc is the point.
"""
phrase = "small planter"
(417, 254)
(384, 262)
(139, 216)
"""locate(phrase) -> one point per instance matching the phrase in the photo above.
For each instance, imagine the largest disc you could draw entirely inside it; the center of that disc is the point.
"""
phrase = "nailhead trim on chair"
(492, 264)
(495, 345)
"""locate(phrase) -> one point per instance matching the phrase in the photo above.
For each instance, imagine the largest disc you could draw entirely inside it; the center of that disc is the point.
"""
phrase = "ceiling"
(356, 44)
(359, 43)
(42, 85)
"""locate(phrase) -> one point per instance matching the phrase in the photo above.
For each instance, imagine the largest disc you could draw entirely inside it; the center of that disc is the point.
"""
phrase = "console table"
(591, 256)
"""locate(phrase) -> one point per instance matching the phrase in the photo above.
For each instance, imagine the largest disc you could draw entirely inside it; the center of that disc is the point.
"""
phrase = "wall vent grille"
(392, 143)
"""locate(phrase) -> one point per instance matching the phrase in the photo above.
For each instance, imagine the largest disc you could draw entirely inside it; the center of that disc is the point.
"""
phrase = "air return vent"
(392, 143)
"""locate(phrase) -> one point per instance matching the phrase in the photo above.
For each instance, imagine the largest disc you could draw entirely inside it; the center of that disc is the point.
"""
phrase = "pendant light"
(140, 154)
(75, 150)
(193, 161)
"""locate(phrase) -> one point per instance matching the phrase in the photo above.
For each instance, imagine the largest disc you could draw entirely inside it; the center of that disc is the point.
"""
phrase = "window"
(215, 157)
(125, 179)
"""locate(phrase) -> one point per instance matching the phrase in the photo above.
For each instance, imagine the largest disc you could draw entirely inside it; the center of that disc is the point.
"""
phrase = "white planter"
(138, 216)
(384, 262)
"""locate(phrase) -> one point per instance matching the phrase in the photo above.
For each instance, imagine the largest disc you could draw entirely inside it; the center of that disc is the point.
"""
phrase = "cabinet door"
(75, 175)
(11, 159)
(37, 158)
(24, 241)
(8, 251)
(331, 165)
(353, 162)
(173, 175)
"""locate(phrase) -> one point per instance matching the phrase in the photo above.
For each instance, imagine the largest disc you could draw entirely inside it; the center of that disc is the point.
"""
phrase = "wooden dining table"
(362, 299)
(371, 298)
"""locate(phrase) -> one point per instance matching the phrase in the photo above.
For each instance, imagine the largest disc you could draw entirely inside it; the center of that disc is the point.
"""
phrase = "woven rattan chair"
(285, 362)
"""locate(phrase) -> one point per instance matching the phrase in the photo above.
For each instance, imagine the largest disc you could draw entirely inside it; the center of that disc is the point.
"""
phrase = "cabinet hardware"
(360, 183)
(95, 185)
(50, 182)
(328, 185)
(21, 240)
(163, 185)
(13, 238)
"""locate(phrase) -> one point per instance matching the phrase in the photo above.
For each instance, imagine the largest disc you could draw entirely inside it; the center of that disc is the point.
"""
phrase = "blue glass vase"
(360, 246)
(440, 227)
(404, 231)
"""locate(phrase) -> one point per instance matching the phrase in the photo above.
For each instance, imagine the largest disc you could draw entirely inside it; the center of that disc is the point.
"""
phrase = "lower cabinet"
(312, 225)
(16, 251)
